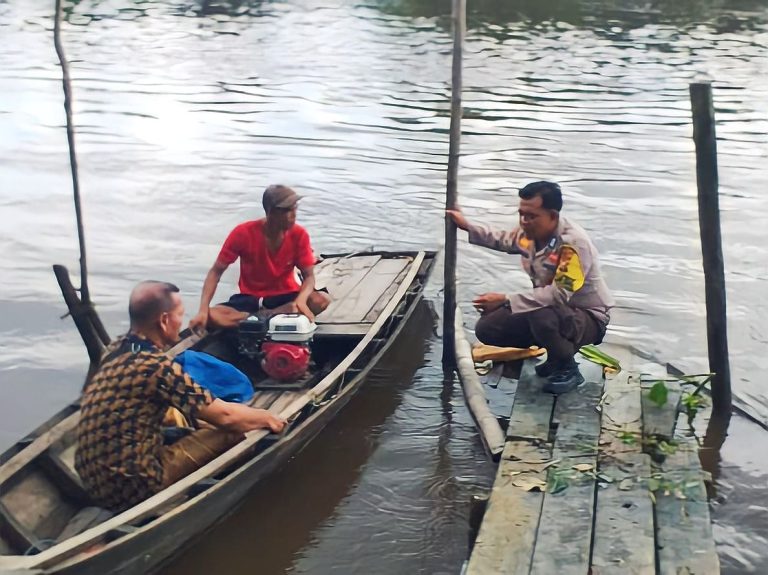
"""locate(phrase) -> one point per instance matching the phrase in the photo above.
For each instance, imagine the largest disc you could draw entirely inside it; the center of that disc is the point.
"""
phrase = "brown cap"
(279, 196)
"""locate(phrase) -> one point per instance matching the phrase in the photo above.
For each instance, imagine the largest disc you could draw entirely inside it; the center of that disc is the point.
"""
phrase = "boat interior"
(42, 499)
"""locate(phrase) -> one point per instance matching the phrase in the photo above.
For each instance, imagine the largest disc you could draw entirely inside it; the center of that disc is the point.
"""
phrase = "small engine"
(280, 342)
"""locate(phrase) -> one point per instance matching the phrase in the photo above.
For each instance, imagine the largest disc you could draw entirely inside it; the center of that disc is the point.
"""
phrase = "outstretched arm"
(238, 417)
(209, 289)
(500, 240)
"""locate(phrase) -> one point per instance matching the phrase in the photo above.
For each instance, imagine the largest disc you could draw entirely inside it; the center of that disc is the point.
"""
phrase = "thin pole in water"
(84, 315)
(451, 195)
(84, 293)
(711, 244)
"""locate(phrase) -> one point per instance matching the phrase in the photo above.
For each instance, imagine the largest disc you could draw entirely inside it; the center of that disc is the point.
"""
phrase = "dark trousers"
(562, 330)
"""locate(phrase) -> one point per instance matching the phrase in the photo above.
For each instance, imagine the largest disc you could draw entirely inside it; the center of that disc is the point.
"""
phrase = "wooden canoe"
(48, 524)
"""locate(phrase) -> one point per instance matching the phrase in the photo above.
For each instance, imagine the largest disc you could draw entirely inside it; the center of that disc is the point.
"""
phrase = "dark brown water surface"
(186, 111)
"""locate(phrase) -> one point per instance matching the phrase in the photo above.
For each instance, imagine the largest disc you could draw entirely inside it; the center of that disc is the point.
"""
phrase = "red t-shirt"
(263, 273)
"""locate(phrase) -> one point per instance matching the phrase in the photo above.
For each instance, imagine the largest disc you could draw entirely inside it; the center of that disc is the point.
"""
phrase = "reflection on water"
(187, 110)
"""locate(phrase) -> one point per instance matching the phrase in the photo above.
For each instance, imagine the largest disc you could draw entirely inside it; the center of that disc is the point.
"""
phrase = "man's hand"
(458, 219)
(267, 420)
(302, 308)
(488, 302)
(200, 320)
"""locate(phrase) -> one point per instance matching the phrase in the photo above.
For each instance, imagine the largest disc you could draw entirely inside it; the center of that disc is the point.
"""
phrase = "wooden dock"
(600, 480)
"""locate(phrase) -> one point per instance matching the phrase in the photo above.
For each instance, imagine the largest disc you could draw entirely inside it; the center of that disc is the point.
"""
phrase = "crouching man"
(569, 303)
(120, 455)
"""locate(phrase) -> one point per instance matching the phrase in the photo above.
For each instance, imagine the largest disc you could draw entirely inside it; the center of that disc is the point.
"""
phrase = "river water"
(185, 111)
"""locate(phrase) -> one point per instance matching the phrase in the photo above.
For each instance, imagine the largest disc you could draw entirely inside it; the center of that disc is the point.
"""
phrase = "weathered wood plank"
(576, 418)
(358, 301)
(507, 535)
(532, 411)
(385, 298)
(38, 446)
(659, 421)
(565, 532)
(339, 277)
(263, 399)
(67, 455)
(84, 519)
(624, 533)
(285, 399)
(37, 505)
(341, 329)
(684, 539)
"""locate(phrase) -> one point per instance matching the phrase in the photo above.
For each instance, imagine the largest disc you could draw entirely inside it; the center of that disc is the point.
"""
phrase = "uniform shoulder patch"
(569, 274)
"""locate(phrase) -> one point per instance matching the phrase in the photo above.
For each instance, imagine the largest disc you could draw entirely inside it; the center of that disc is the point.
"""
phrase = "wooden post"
(84, 293)
(86, 319)
(449, 302)
(81, 313)
(711, 245)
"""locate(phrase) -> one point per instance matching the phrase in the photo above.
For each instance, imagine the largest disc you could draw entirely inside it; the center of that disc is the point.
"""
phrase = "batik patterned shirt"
(119, 435)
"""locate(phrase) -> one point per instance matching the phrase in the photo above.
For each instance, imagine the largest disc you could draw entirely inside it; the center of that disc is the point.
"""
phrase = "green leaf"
(595, 355)
(667, 448)
(627, 438)
(659, 393)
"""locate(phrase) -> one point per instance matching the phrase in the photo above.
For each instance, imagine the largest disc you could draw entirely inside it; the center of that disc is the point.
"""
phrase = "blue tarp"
(222, 379)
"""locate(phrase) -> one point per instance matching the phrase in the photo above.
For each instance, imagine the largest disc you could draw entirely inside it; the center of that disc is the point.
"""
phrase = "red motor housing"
(284, 361)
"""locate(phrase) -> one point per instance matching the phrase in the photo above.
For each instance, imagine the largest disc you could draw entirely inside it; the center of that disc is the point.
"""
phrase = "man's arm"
(500, 240)
(209, 289)
(239, 418)
(307, 287)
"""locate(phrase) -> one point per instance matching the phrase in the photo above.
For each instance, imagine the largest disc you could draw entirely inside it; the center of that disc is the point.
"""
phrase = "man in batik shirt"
(121, 456)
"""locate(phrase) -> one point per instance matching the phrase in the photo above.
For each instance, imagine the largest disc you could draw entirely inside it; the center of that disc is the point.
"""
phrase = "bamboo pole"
(711, 244)
(449, 301)
(490, 431)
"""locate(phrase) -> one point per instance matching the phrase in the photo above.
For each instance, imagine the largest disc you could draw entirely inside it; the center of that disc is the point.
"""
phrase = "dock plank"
(659, 420)
(684, 537)
(565, 532)
(505, 542)
(597, 514)
(624, 529)
(532, 411)
(575, 416)
(358, 301)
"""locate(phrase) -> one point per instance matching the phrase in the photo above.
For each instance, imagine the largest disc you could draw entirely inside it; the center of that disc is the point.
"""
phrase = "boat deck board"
(359, 288)
(573, 489)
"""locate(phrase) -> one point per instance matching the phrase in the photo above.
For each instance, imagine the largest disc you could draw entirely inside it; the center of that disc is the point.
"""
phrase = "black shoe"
(564, 380)
(548, 367)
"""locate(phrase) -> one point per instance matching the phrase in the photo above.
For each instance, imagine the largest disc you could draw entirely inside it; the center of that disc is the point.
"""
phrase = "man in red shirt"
(270, 250)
